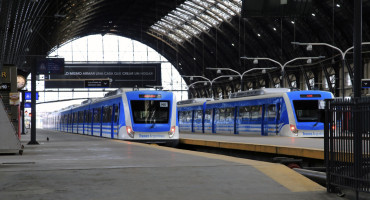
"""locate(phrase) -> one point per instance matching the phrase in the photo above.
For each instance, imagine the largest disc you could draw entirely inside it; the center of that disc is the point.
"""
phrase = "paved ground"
(75, 167)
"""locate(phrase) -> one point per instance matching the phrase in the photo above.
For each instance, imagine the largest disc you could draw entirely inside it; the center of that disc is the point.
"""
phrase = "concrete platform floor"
(72, 166)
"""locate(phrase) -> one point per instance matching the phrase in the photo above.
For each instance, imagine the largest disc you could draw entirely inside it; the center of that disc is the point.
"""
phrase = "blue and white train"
(144, 116)
(266, 112)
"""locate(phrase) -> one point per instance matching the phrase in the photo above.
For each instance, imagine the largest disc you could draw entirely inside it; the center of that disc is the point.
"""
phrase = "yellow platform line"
(281, 174)
(273, 149)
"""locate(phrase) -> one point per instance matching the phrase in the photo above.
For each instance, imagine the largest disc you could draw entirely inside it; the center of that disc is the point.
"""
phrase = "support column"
(33, 105)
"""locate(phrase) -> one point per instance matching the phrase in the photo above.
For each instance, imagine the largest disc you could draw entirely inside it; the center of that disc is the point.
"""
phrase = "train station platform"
(312, 148)
(71, 166)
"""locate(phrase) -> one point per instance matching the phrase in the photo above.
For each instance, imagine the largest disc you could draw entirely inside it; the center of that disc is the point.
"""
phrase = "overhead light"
(274, 29)
(313, 14)
(232, 44)
(255, 61)
(292, 22)
(179, 63)
(219, 71)
(205, 83)
(309, 61)
(338, 5)
(259, 35)
(309, 47)
(264, 71)
(194, 58)
(230, 78)
(191, 78)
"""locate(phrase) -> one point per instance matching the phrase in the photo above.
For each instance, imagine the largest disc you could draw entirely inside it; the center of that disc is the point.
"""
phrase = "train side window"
(97, 114)
(222, 114)
(80, 116)
(229, 113)
(198, 115)
(75, 117)
(256, 113)
(271, 112)
(208, 115)
(116, 113)
(107, 114)
(188, 116)
(244, 113)
(89, 116)
(181, 116)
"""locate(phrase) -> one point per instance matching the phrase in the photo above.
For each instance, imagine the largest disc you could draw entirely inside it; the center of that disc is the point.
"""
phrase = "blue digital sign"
(27, 96)
(50, 66)
(27, 105)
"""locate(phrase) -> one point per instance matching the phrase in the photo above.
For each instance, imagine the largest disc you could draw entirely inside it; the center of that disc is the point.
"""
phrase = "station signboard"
(50, 66)
(5, 87)
(120, 75)
(365, 83)
(27, 95)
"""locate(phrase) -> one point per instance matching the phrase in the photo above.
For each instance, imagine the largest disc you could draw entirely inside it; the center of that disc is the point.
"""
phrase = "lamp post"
(192, 85)
(223, 76)
(240, 75)
(282, 66)
(204, 78)
(342, 53)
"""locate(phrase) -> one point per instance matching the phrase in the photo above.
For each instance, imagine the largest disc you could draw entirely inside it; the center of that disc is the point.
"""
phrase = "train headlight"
(171, 133)
(130, 132)
(294, 129)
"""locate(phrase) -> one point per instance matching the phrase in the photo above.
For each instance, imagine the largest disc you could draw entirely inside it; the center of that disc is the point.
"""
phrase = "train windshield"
(308, 111)
(150, 111)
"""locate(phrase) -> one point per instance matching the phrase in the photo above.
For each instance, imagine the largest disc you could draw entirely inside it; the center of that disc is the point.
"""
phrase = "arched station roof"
(193, 35)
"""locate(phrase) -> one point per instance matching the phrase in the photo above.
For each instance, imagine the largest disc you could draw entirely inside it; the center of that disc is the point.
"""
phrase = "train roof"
(194, 101)
(258, 92)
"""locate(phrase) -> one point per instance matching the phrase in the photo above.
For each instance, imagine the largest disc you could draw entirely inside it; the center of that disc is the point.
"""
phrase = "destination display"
(121, 75)
(50, 66)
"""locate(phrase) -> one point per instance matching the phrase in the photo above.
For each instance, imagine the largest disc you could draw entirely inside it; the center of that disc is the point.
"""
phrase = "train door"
(208, 120)
(236, 120)
(213, 120)
(270, 119)
(115, 120)
(230, 120)
(192, 121)
(101, 121)
(264, 124)
(278, 110)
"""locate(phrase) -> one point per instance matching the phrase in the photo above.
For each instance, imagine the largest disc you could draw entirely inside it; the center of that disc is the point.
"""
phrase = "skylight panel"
(173, 20)
(191, 29)
(155, 27)
(162, 23)
(182, 33)
(196, 16)
(175, 37)
(210, 19)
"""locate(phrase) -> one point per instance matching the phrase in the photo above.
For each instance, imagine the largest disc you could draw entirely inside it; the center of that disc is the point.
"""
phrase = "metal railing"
(347, 144)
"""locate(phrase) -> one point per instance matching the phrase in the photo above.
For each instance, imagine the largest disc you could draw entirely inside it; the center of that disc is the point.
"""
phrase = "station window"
(80, 116)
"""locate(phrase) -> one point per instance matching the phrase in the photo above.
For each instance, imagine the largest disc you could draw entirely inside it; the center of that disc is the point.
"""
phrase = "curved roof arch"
(192, 34)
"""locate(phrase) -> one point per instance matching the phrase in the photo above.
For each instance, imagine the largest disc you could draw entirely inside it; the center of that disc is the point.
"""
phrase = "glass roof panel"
(194, 16)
